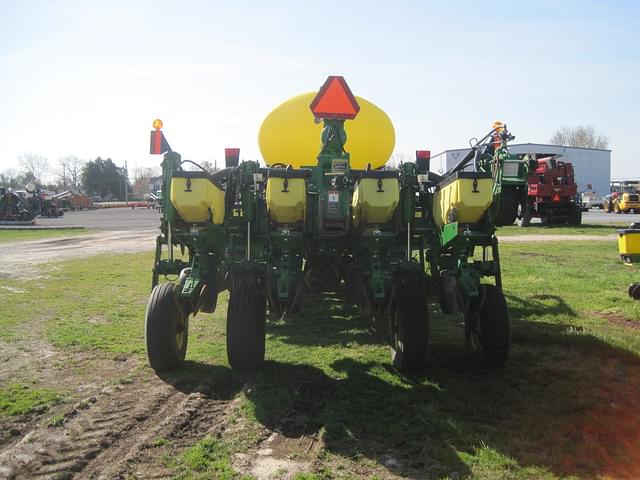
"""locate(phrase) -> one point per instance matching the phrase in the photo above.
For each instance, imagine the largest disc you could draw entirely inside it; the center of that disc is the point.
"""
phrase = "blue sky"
(87, 78)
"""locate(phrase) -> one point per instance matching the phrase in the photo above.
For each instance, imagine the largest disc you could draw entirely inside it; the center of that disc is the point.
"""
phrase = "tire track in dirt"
(114, 432)
(113, 435)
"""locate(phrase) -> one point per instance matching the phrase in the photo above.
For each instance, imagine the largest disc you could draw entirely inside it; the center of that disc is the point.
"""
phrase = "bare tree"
(207, 165)
(398, 158)
(146, 172)
(141, 187)
(71, 170)
(584, 136)
(36, 165)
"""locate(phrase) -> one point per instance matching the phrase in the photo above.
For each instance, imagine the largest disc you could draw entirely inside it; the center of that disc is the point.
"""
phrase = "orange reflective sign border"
(335, 100)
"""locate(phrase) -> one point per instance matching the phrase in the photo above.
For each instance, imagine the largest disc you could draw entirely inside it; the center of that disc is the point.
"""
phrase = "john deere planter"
(401, 238)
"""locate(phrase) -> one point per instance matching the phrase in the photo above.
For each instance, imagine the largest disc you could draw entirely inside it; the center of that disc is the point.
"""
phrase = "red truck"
(551, 194)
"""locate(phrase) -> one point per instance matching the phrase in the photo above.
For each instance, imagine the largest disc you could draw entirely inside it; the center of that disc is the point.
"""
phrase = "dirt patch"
(617, 319)
(118, 419)
(117, 433)
(279, 457)
(75, 376)
(108, 427)
(21, 260)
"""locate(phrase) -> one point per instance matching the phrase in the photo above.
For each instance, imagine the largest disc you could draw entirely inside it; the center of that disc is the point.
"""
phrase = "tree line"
(585, 136)
(99, 177)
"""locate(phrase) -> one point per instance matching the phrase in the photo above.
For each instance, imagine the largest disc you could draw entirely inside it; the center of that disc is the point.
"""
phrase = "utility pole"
(126, 190)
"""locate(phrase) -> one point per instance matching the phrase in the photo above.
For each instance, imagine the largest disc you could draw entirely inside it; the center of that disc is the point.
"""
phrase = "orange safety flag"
(159, 144)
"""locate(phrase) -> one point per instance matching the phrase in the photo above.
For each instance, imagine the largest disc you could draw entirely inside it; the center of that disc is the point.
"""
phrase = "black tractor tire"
(448, 293)
(366, 310)
(246, 315)
(508, 207)
(166, 328)
(575, 218)
(487, 329)
(634, 291)
(409, 326)
(545, 220)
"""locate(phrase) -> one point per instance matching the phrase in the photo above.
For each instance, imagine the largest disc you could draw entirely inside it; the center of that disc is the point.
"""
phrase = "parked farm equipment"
(623, 202)
(552, 193)
(629, 244)
(629, 249)
(394, 236)
(72, 200)
(16, 207)
(538, 187)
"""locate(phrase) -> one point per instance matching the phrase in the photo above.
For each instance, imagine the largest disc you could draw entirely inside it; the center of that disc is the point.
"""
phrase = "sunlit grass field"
(566, 403)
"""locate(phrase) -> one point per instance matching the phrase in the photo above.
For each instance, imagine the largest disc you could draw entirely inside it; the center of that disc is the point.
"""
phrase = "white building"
(591, 165)
(155, 184)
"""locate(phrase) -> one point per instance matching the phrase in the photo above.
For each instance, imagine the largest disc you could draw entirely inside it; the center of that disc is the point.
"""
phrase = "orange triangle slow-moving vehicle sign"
(335, 100)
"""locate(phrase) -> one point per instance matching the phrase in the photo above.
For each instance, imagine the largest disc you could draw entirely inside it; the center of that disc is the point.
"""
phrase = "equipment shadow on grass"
(326, 320)
(538, 305)
(361, 415)
(214, 381)
(567, 407)
(566, 403)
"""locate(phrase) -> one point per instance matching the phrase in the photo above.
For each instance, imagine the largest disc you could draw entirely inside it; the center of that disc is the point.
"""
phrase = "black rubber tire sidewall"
(575, 218)
(410, 327)
(494, 339)
(161, 322)
(448, 299)
(508, 207)
(246, 316)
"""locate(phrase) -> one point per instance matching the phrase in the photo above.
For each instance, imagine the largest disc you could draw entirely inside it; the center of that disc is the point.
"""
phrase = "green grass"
(161, 442)
(56, 420)
(26, 235)
(22, 399)
(565, 405)
(595, 229)
(83, 304)
(327, 372)
(573, 283)
(208, 458)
